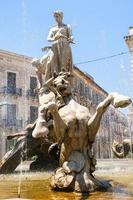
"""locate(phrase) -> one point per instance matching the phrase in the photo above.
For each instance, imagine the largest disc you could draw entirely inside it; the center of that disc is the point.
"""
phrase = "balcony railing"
(6, 123)
(9, 90)
(31, 93)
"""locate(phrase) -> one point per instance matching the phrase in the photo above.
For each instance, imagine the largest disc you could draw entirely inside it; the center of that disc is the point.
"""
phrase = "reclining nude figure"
(74, 130)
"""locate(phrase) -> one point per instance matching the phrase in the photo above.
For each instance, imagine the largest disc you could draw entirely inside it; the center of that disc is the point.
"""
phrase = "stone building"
(114, 124)
(19, 102)
(129, 41)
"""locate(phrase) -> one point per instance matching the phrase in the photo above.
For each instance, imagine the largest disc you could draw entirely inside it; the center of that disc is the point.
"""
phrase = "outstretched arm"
(117, 100)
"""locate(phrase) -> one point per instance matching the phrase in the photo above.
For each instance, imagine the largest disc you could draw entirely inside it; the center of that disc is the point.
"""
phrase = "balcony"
(6, 123)
(12, 91)
(32, 93)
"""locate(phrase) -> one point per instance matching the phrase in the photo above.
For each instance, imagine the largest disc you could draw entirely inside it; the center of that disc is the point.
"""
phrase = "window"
(11, 82)
(11, 115)
(33, 83)
(33, 113)
(81, 88)
(33, 86)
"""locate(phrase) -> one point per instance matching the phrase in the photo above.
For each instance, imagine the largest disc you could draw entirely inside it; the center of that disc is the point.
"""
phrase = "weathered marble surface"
(123, 149)
(59, 55)
(74, 129)
(62, 120)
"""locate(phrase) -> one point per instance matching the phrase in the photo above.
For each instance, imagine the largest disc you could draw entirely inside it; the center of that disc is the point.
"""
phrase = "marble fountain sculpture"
(123, 149)
(66, 124)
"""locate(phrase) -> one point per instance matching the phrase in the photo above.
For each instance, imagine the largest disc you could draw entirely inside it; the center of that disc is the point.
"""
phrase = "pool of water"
(36, 186)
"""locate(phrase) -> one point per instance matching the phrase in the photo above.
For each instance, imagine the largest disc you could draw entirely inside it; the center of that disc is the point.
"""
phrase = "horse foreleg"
(39, 75)
(12, 136)
(41, 129)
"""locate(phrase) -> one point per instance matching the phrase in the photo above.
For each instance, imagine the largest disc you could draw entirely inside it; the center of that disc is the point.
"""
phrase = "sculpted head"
(62, 84)
(58, 15)
(118, 146)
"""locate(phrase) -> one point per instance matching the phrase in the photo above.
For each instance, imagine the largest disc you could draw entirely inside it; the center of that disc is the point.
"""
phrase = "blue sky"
(98, 28)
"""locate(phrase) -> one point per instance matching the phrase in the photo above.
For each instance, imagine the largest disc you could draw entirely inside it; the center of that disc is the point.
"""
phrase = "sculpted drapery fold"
(60, 57)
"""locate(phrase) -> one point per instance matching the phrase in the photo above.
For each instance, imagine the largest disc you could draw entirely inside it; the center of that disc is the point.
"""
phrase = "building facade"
(18, 99)
(19, 102)
(114, 124)
(129, 41)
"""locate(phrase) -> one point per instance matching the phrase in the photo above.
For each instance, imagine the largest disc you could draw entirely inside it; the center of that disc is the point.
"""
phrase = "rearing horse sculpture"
(64, 121)
(74, 129)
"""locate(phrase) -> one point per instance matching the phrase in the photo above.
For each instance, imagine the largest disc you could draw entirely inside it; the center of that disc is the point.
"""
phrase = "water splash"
(20, 179)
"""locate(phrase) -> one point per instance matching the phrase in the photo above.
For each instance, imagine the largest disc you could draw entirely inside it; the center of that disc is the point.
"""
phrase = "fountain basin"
(36, 186)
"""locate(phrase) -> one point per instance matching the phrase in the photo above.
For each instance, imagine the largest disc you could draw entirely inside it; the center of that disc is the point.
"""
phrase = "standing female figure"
(60, 54)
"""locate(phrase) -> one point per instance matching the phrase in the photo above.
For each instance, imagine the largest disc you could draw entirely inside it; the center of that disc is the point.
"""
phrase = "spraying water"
(20, 180)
